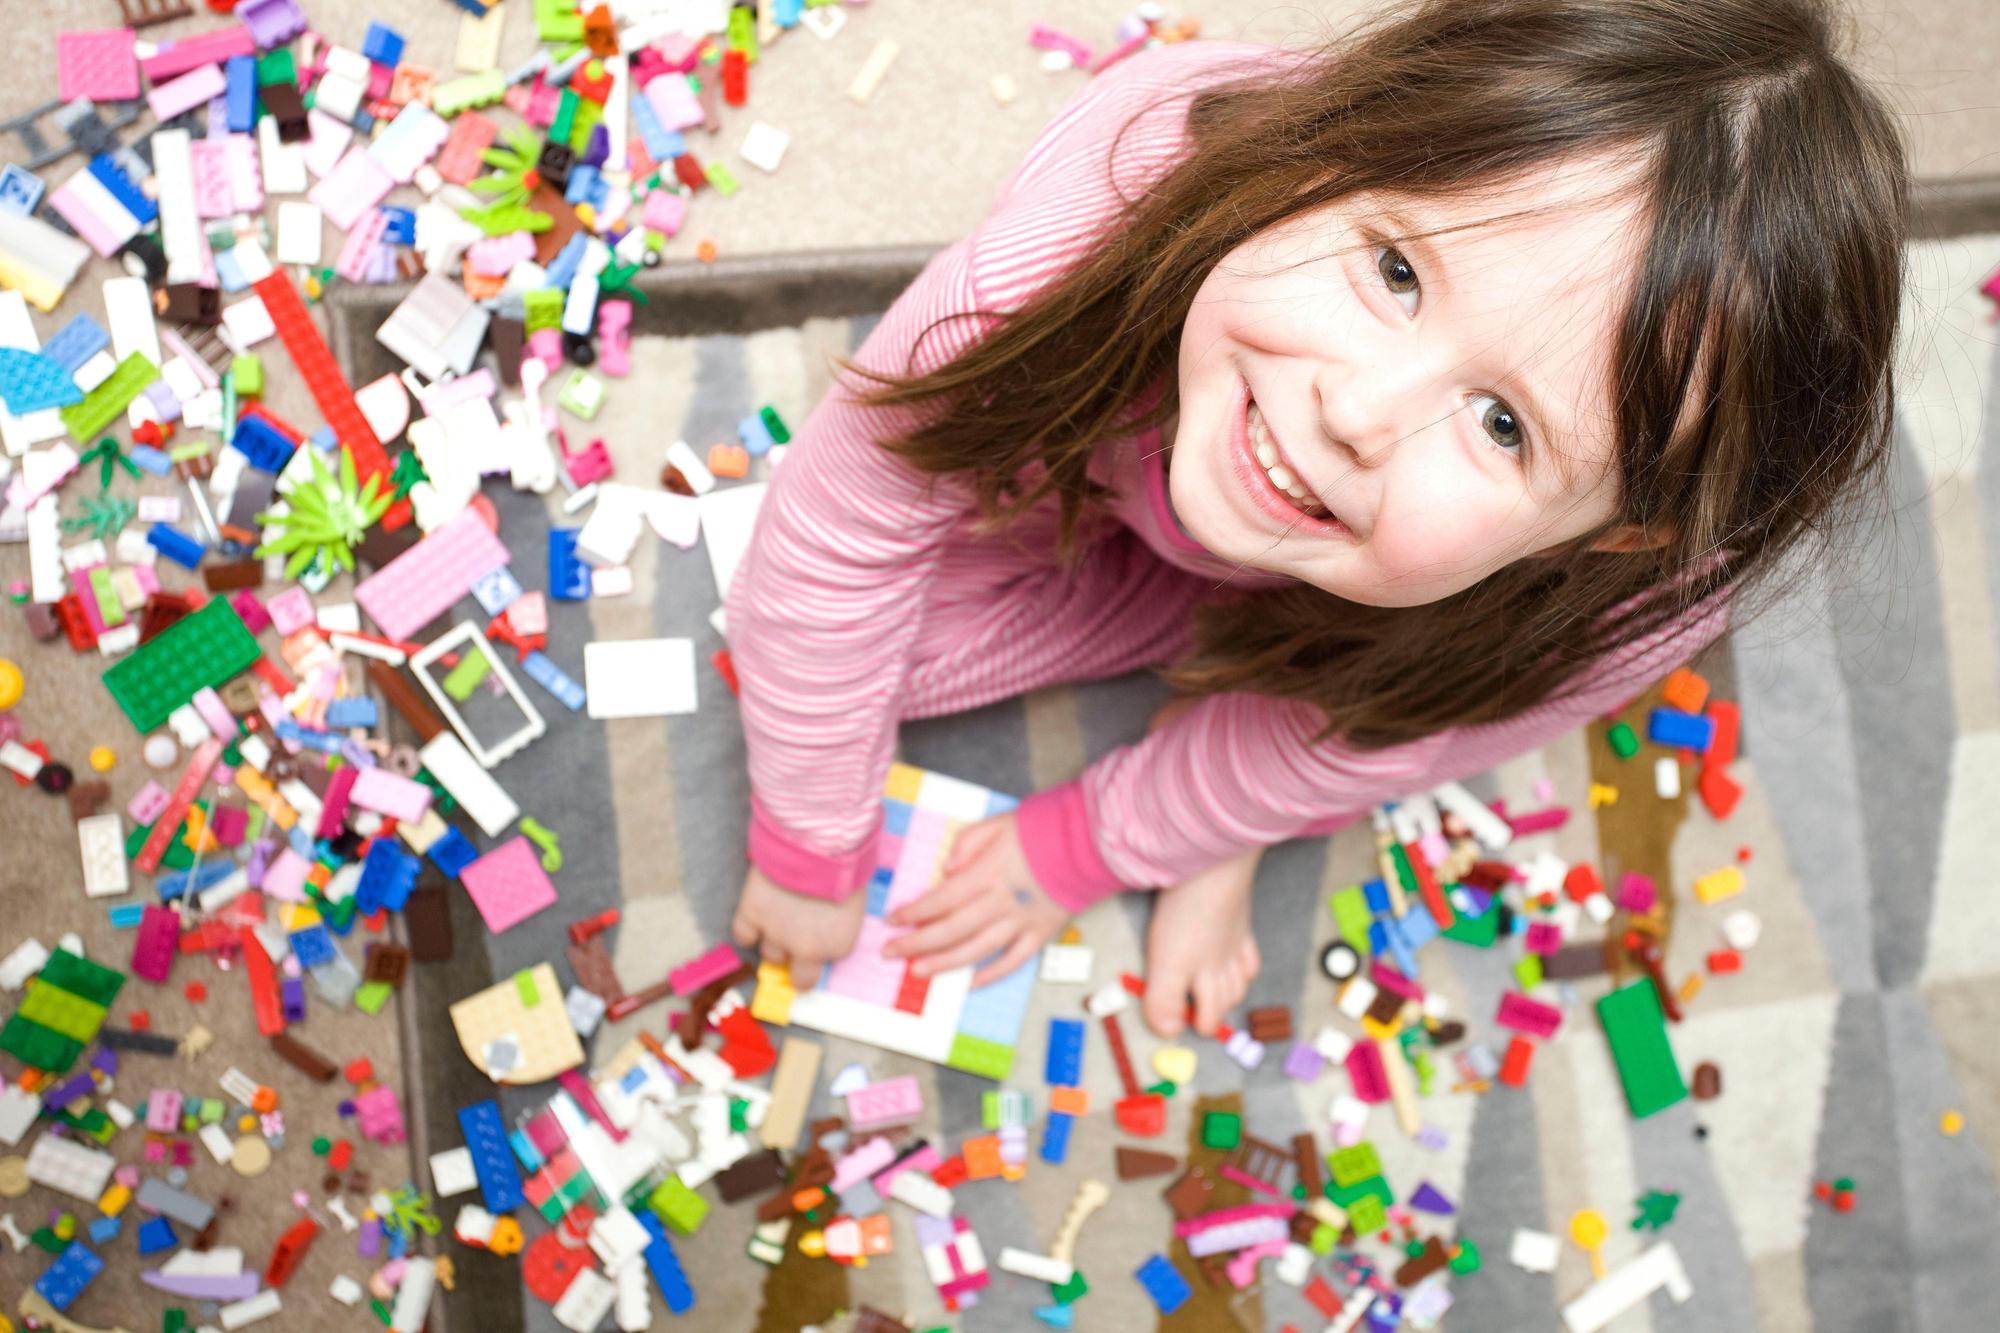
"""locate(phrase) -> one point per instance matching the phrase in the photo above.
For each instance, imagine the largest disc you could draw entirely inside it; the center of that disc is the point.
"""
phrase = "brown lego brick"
(758, 1173)
(427, 921)
(388, 962)
(303, 1058)
(1305, 1156)
(1190, 1195)
(1432, 1258)
(42, 622)
(591, 963)
(236, 574)
(1574, 960)
(1386, 1006)
(1137, 1163)
(85, 797)
(403, 697)
(1271, 1023)
(509, 337)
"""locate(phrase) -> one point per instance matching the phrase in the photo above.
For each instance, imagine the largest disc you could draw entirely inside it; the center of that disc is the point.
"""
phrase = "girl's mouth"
(1273, 483)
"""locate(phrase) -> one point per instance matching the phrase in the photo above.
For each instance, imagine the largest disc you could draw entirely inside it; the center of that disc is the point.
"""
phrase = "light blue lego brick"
(76, 342)
(537, 667)
(126, 916)
(995, 1012)
(896, 817)
(1418, 926)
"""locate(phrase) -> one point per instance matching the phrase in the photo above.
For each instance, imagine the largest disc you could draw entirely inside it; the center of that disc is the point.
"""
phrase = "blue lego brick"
(175, 545)
(150, 459)
(666, 1265)
(1376, 894)
(76, 342)
(496, 590)
(996, 1010)
(207, 874)
(400, 225)
(1670, 726)
(20, 190)
(525, 1152)
(1418, 927)
(562, 269)
(569, 577)
(313, 945)
(156, 1234)
(755, 435)
(787, 13)
(486, 1135)
(105, 1230)
(388, 873)
(656, 136)
(583, 182)
(1055, 1137)
(1063, 1066)
(112, 178)
(453, 852)
(260, 442)
(538, 668)
(383, 45)
(126, 916)
(1163, 1283)
(229, 271)
(240, 101)
(355, 711)
(74, 1269)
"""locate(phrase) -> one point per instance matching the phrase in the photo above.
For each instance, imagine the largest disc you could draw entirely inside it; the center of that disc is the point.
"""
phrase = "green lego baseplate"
(201, 649)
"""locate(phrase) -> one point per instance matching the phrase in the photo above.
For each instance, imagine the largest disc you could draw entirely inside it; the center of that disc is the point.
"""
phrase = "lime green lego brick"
(202, 649)
(109, 608)
(589, 115)
(101, 406)
(460, 94)
(463, 679)
(976, 1055)
(1481, 930)
(38, 1047)
(1637, 1031)
(370, 996)
(678, 1206)
(247, 373)
(1351, 915)
(541, 309)
(1528, 970)
(721, 178)
(79, 976)
(1368, 1215)
(276, 67)
(1354, 1164)
(558, 21)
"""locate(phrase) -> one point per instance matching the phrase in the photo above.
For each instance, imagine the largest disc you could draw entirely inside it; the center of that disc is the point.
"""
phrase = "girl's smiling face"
(1392, 420)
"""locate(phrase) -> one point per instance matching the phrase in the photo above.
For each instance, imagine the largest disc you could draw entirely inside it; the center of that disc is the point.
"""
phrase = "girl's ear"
(1631, 537)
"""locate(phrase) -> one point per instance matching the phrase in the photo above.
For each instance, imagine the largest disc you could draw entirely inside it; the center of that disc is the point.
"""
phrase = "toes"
(1166, 998)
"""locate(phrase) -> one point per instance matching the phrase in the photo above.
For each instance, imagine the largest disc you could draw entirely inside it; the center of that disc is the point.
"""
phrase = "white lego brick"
(1332, 1045)
(253, 259)
(610, 533)
(1040, 1267)
(118, 641)
(920, 1192)
(616, 1237)
(634, 1312)
(345, 1290)
(1067, 964)
(298, 232)
(682, 456)
(639, 677)
(284, 163)
(248, 321)
(27, 958)
(84, 555)
(101, 840)
(452, 1173)
(588, 1298)
(128, 314)
(69, 1167)
(1355, 997)
(1667, 777)
(484, 801)
(240, 1314)
(412, 139)
(580, 306)
(1492, 832)
(19, 760)
(180, 223)
(339, 94)
(18, 1110)
(1535, 1251)
(764, 146)
(1110, 998)
(1627, 1287)
(45, 571)
(413, 1296)
(180, 377)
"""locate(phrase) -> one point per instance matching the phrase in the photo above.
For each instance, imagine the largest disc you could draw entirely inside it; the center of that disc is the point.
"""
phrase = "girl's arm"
(1237, 771)
(823, 609)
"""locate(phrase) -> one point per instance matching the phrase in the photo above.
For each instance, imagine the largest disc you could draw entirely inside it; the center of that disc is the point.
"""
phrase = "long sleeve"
(828, 599)
(1238, 771)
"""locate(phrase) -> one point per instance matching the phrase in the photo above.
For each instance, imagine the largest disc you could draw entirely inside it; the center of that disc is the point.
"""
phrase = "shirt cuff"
(1055, 837)
(793, 866)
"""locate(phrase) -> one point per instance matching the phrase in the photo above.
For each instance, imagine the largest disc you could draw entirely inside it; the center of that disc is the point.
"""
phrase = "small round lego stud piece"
(706, 252)
(1951, 1123)
(160, 751)
(103, 758)
(1339, 961)
(11, 683)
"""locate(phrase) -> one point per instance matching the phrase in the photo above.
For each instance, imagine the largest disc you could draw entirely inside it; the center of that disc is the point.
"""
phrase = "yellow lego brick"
(1719, 884)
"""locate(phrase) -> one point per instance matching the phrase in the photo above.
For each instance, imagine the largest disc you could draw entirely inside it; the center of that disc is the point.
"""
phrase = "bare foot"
(787, 927)
(1200, 944)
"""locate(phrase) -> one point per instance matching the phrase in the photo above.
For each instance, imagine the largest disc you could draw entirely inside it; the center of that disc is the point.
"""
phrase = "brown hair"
(1751, 373)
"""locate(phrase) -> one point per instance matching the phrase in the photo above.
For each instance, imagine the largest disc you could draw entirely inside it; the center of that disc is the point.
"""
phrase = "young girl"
(1414, 400)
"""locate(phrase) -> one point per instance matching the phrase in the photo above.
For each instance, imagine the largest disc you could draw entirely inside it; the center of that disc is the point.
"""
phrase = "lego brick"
(353, 187)
(64, 1280)
(1636, 1028)
(30, 382)
(493, 1162)
(101, 406)
(466, 639)
(1163, 1283)
(101, 840)
(195, 88)
(415, 588)
(322, 374)
(508, 884)
(70, 1168)
(202, 649)
(1063, 1064)
(101, 65)
(639, 677)
(482, 799)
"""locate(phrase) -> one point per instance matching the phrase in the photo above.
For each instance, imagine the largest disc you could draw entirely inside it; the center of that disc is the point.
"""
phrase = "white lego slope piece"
(1657, 1269)
(38, 260)
(241, 1314)
(18, 1110)
(70, 1168)
(17, 329)
(1535, 1251)
(45, 571)
(101, 840)
(128, 313)
(699, 478)
(639, 677)
(180, 223)
(483, 800)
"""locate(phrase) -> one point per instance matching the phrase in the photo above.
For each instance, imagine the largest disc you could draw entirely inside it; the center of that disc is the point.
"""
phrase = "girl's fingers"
(950, 893)
(970, 843)
(972, 950)
(952, 928)
(742, 931)
(1206, 1010)
(1022, 949)
(773, 952)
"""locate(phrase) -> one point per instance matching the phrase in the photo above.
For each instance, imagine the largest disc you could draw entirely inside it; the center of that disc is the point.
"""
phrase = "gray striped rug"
(1872, 763)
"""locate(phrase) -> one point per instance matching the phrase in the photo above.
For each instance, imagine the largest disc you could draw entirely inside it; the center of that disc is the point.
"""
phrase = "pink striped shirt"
(870, 594)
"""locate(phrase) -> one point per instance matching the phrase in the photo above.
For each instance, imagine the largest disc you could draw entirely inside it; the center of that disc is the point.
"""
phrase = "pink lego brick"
(163, 1109)
(333, 806)
(193, 52)
(508, 884)
(379, 1115)
(1636, 892)
(103, 232)
(216, 713)
(665, 211)
(195, 88)
(471, 134)
(925, 1159)
(674, 102)
(862, 1163)
(251, 608)
(894, 1101)
(229, 823)
(147, 804)
(390, 793)
(1389, 979)
(546, 1133)
(99, 64)
(1543, 938)
(214, 193)
(691, 977)
(1533, 1017)
(495, 256)
(285, 877)
(352, 188)
(246, 178)
(1365, 1072)
(358, 252)
(1538, 821)
(417, 586)
(157, 943)
(291, 610)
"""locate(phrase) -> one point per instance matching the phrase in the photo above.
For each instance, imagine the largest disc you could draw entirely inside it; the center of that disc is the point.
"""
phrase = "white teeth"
(1281, 477)
(1267, 455)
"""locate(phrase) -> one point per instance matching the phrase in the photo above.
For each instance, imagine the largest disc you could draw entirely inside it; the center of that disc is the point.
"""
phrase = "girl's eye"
(1398, 274)
(1498, 420)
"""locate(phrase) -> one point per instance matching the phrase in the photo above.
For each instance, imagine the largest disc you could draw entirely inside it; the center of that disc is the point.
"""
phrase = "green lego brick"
(1623, 743)
(79, 976)
(37, 1046)
(589, 115)
(541, 309)
(1528, 970)
(1368, 1215)
(1072, 1291)
(109, 609)
(101, 406)
(178, 856)
(1350, 913)
(247, 373)
(743, 33)
(1637, 1031)
(565, 117)
(276, 67)
(558, 21)
(1374, 1187)
(678, 1206)
(463, 679)
(1406, 874)
(1481, 930)
(456, 95)
(205, 648)
(1221, 1129)
(1352, 1165)
(976, 1055)
(721, 178)
(774, 423)
(370, 996)
(59, 1011)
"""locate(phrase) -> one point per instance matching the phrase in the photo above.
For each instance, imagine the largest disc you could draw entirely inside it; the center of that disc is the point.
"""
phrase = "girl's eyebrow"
(1515, 387)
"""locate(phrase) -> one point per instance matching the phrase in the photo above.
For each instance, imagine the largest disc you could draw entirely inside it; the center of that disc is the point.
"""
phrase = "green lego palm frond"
(325, 516)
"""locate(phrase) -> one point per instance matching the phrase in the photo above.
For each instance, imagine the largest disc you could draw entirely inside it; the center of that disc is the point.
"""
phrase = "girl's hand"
(790, 928)
(987, 901)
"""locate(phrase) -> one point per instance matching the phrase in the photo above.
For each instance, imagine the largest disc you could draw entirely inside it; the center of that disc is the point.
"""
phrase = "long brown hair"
(1751, 375)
